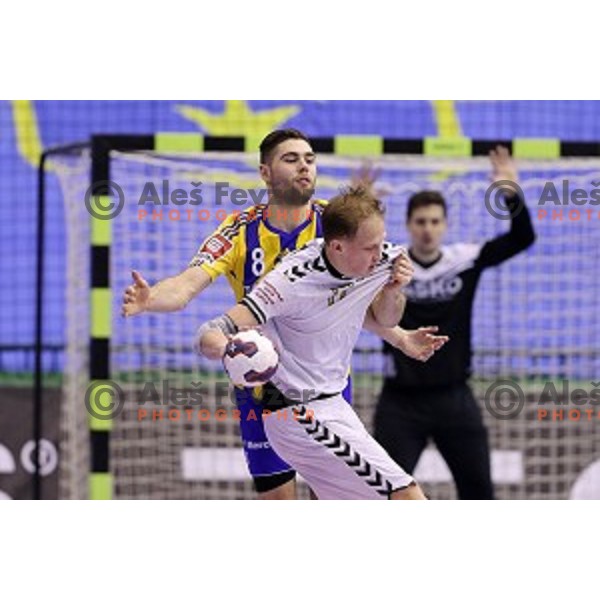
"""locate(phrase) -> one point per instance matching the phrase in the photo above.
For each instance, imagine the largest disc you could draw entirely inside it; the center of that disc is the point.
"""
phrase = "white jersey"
(314, 315)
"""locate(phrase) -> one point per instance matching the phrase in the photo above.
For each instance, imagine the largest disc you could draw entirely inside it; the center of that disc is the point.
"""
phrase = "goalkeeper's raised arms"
(169, 295)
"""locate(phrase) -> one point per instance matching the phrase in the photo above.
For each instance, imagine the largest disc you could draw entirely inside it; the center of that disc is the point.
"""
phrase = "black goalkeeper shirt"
(441, 293)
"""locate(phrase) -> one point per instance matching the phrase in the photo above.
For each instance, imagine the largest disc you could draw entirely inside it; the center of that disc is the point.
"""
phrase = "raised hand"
(365, 176)
(503, 167)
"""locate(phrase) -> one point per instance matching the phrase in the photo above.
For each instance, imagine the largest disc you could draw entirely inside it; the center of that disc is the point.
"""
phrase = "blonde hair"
(346, 211)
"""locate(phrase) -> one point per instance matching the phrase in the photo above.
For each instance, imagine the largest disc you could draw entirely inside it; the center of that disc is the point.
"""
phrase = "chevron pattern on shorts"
(320, 433)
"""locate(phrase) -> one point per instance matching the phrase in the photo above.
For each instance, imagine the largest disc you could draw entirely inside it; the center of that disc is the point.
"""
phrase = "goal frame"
(100, 478)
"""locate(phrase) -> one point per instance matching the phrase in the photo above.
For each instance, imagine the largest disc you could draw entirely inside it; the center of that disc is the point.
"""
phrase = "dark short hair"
(425, 198)
(345, 212)
(273, 139)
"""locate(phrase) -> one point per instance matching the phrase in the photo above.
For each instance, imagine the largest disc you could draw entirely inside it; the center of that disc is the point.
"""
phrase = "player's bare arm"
(168, 295)
(420, 344)
(212, 337)
(388, 306)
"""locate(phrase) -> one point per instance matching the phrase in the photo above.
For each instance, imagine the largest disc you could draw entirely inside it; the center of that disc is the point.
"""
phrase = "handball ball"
(250, 358)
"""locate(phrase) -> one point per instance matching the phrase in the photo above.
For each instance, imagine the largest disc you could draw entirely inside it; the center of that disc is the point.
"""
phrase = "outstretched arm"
(215, 257)
(521, 234)
(168, 295)
(419, 344)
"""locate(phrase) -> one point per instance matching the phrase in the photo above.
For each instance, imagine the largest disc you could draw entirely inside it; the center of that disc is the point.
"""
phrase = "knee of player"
(411, 492)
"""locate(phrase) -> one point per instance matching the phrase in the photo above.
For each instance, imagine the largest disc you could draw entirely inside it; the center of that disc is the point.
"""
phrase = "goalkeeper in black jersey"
(433, 401)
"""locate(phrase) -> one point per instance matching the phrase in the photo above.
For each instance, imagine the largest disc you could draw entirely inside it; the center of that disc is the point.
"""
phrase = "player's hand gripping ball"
(250, 358)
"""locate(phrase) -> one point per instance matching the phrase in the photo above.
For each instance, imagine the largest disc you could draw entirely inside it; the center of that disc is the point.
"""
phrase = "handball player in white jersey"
(313, 306)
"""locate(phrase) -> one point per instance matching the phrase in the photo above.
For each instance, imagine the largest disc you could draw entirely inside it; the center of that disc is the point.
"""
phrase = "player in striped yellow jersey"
(244, 248)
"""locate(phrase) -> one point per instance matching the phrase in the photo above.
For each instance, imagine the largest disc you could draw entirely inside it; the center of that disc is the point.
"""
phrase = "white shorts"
(328, 445)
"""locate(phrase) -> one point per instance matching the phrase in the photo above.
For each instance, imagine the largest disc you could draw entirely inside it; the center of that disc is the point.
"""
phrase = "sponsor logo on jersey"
(268, 293)
(215, 247)
(272, 291)
(257, 445)
(441, 288)
(339, 293)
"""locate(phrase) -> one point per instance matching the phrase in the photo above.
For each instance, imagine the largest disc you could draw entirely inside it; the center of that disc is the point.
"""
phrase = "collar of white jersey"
(332, 270)
(385, 262)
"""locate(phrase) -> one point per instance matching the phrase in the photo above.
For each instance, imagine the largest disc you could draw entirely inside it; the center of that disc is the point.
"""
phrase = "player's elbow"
(522, 231)
(530, 239)
(526, 240)
(387, 311)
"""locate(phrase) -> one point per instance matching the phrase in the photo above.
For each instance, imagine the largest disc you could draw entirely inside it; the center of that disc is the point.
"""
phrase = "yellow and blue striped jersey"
(246, 246)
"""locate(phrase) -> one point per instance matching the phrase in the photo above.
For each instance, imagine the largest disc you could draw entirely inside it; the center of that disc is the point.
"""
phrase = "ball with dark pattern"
(250, 358)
